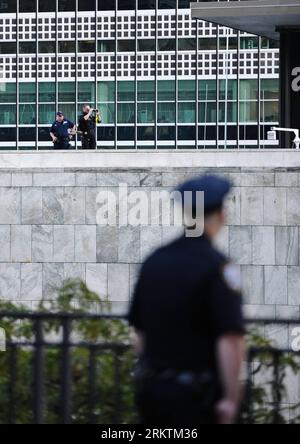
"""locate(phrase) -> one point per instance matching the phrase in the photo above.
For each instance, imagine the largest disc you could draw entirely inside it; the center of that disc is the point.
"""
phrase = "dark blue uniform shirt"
(60, 129)
(187, 296)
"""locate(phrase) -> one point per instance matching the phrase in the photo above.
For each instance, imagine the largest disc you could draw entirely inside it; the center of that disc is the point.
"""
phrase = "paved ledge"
(277, 158)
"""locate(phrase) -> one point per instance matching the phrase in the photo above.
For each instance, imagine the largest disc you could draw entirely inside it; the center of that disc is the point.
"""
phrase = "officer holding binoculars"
(87, 126)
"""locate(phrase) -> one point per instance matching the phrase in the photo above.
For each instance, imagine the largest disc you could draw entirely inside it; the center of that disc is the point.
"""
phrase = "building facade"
(161, 79)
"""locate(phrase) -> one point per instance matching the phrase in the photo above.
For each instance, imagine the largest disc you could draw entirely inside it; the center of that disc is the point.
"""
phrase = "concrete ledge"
(276, 158)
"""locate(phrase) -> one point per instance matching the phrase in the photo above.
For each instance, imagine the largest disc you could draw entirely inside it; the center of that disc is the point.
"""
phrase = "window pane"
(207, 112)
(166, 4)
(146, 91)
(27, 114)
(27, 5)
(270, 89)
(125, 112)
(106, 46)
(47, 47)
(146, 45)
(66, 92)
(126, 133)
(7, 114)
(146, 133)
(146, 112)
(248, 90)
(27, 92)
(87, 46)
(207, 90)
(187, 44)
(249, 42)
(231, 112)
(66, 5)
(106, 133)
(47, 92)
(230, 43)
(166, 90)
(186, 133)
(86, 5)
(7, 48)
(86, 92)
(28, 134)
(8, 134)
(107, 111)
(166, 113)
(106, 5)
(187, 90)
(146, 4)
(270, 111)
(248, 111)
(166, 45)
(47, 114)
(69, 111)
(126, 45)
(9, 6)
(106, 91)
(126, 91)
(27, 47)
(186, 112)
(66, 46)
(206, 44)
(231, 87)
(7, 92)
(166, 133)
(47, 6)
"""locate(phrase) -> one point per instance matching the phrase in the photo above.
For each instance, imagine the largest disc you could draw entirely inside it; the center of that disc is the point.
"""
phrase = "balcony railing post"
(38, 373)
(66, 373)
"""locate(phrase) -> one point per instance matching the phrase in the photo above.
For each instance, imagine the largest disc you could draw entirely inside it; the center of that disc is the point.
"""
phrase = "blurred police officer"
(87, 126)
(61, 131)
(188, 323)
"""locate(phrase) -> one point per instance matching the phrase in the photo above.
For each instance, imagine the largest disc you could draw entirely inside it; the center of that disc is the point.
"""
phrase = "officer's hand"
(54, 139)
(226, 411)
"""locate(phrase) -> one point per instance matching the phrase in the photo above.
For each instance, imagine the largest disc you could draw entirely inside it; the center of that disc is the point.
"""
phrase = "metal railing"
(58, 371)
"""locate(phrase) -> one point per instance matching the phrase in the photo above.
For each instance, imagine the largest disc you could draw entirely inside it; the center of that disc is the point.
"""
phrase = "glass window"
(69, 111)
(126, 91)
(207, 90)
(270, 111)
(146, 133)
(86, 5)
(146, 90)
(7, 114)
(126, 133)
(106, 5)
(107, 111)
(8, 48)
(7, 92)
(126, 45)
(228, 42)
(186, 112)
(207, 112)
(187, 44)
(27, 47)
(66, 92)
(248, 89)
(28, 134)
(87, 46)
(106, 46)
(106, 133)
(106, 92)
(8, 134)
(43, 134)
(27, 92)
(47, 114)
(166, 45)
(27, 5)
(47, 47)
(146, 112)
(248, 111)
(146, 4)
(8, 6)
(146, 45)
(270, 89)
(166, 113)
(47, 92)
(166, 4)
(66, 46)
(269, 44)
(126, 4)
(27, 114)
(186, 133)
(187, 90)
(166, 133)
(66, 5)
(249, 42)
(231, 87)
(166, 90)
(231, 112)
(47, 6)
(86, 92)
(125, 112)
(208, 44)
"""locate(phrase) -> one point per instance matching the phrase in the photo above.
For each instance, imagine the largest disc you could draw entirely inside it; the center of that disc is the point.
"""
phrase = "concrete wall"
(48, 233)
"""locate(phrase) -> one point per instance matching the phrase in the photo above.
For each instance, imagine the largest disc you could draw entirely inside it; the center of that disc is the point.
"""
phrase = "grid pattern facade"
(160, 78)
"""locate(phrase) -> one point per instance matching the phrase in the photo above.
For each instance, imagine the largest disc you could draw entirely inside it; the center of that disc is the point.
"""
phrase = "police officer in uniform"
(87, 126)
(61, 131)
(188, 324)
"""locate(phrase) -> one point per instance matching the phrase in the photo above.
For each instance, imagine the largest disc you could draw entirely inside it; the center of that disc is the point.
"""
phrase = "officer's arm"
(52, 135)
(88, 115)
(137, 340)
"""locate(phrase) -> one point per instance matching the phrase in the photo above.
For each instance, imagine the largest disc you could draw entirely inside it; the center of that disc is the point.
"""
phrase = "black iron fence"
(78, 368)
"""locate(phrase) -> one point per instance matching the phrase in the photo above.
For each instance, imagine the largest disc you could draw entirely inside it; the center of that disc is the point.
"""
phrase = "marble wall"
(48, 233)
